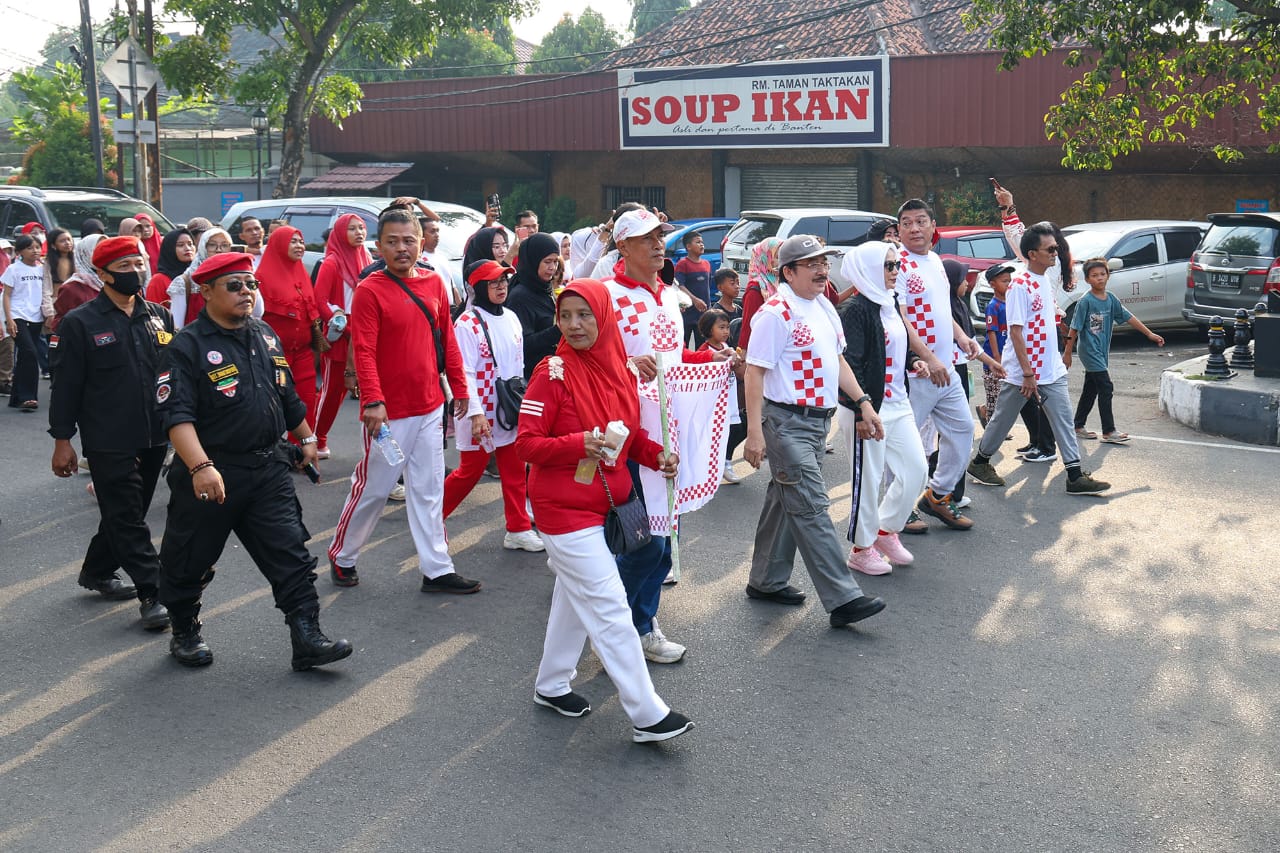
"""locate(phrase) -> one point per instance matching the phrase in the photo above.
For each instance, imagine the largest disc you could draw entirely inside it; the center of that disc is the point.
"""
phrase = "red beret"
(113, 249)
(223, 264)
(488, 271)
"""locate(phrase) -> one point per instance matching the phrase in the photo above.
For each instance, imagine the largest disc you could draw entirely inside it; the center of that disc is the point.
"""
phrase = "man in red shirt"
(400, 334)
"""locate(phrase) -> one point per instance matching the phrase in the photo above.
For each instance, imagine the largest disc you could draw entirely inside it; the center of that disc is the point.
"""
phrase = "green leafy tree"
(1152, 71)
(648, 15)
(53, 123)
(295, 80)
(561, 50)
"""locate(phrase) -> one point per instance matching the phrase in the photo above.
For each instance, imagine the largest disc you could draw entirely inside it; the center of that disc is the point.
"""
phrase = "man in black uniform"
(226, 395)
(104, 359)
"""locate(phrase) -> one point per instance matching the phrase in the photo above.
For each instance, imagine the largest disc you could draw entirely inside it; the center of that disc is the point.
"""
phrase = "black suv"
(1236, 265)
(68, 207)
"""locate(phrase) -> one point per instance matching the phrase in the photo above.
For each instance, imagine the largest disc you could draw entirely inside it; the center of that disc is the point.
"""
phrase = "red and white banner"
(698, 417)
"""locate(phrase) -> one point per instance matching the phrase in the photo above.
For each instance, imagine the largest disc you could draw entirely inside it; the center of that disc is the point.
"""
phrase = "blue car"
(712, 231)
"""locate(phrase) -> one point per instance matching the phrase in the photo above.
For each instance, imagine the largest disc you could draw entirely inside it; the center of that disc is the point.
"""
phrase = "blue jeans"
(643, 571)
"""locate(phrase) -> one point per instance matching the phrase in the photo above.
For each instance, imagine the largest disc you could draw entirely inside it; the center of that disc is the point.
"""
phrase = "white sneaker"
(731, 476)
(525, 540)
(963, 502)
(397, 494)
(658, 648)
(323, 452)
(670, 579)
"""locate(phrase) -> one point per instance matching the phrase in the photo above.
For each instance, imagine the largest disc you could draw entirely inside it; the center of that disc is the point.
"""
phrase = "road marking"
(1207, 444)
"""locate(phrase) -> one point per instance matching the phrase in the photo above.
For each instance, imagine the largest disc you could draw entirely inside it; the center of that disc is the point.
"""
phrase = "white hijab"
(863, 267)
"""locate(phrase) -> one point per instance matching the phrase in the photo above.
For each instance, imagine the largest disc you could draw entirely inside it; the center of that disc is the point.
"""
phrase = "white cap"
(634, 223)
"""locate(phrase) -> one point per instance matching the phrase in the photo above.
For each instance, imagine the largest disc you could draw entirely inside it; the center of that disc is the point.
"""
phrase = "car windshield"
(752, 231)
(1090, 244)
(70, 214)
(456, 227)
(1253, 240)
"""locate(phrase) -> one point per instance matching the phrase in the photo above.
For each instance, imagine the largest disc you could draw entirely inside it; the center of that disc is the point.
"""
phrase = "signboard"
(230, 197)
(1253, 205)
(827, 102)
(116, 70)
(123, 128)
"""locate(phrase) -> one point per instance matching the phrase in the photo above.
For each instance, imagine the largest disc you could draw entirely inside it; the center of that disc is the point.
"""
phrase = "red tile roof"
(725, 31)
(361, 178)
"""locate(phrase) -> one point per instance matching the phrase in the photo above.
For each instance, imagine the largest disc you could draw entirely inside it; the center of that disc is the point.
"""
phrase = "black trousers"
(26, 368)
(1097, 386)
(262, 510)
(1039, 433)
(124, 483)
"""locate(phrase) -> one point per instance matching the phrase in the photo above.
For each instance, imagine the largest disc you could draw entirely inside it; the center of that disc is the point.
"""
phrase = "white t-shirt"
(925, 295)
(799, 345)
(28, 288)
(637, 310)
(1029, 304)
(735, 416)
(895, 353)
(479, 365)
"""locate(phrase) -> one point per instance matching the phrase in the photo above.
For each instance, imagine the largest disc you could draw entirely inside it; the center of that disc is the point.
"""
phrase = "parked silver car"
(1236, 266)
(840, 228)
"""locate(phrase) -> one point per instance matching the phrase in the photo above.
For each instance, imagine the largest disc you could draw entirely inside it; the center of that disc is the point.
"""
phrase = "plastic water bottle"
(390, 450)
(337, 325)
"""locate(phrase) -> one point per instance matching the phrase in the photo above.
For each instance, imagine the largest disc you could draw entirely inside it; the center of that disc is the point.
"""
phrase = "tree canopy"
(648, 15)
(561, 51)
(294, 80)
(1152, 71)
(53, 123)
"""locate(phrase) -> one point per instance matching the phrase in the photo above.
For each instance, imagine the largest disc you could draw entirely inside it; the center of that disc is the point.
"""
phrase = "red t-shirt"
(393, 349)
(550, 440)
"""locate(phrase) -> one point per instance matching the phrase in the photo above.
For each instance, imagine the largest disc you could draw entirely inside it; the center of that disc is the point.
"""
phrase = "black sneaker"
(343, 575)
(568, 705)
(672, 725)
(1038, 455)
(860, 608)
(154, 615)
(984, 473)
(452, 583)
(1086, 485)
(1026, 448)
(111, 587)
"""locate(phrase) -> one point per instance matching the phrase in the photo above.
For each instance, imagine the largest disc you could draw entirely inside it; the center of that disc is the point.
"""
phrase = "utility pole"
(139, 162)
(153, 110)
(89, 70)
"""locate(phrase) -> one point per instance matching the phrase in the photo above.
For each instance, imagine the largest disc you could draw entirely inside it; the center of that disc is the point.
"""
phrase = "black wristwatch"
(865, 398)
(373, 403)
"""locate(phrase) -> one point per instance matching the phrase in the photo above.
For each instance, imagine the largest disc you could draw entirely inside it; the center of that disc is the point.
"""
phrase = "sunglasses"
(1052, 250)
(239, 284)
(892, 266)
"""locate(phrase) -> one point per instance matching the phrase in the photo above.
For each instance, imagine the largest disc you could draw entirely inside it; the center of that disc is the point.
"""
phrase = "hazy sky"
(27, 24)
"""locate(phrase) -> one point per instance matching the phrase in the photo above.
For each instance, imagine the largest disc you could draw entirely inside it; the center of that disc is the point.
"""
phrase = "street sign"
(116, 70)
(229, 198)
(123, 128)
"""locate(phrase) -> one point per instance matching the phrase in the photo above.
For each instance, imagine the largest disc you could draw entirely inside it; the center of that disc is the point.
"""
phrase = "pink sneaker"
(868, 561)
(889, 545)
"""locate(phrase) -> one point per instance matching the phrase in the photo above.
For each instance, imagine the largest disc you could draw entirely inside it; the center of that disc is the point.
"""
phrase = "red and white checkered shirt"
(1029, 304)
(483, 369)
(799, 345)
(925, 296)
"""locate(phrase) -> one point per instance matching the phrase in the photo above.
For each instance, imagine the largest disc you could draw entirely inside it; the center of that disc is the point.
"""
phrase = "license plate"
(1224, 279)
(740, 266)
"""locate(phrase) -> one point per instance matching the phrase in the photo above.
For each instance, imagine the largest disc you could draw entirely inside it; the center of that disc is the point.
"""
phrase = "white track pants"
(422, 443)
(589, 602)
(901, 454)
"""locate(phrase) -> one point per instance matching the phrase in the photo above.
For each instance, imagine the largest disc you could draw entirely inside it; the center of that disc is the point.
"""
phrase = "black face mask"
(126, 283)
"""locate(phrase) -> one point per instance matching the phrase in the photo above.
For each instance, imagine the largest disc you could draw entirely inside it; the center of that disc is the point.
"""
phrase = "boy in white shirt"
(24, 313)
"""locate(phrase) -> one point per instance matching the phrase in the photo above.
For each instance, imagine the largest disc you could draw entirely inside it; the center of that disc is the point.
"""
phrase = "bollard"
(1242, 356)
(1266, 342)
(1217, 365)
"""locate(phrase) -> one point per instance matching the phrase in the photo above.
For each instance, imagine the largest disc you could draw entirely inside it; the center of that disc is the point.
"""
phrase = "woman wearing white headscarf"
(185, 300)
(82, 285)
(880, 349)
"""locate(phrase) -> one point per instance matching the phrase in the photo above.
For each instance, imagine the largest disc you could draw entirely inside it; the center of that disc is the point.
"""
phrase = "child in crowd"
(1091, 324)
(727, 293)
(997, 335)
(693, 276)
(713, 327)
(26, 306)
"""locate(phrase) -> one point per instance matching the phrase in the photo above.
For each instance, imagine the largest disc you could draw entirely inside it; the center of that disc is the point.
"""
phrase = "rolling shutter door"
(765, 187)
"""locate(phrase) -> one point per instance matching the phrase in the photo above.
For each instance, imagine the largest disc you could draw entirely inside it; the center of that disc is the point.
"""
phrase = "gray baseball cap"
(802, 247)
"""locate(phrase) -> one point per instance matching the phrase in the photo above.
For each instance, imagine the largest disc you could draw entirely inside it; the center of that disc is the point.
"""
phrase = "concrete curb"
(1244, 407)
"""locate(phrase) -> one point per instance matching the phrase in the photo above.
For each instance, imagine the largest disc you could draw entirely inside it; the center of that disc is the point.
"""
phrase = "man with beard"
(226, 395)
(105, 354)
(401, 341)
(795, 368)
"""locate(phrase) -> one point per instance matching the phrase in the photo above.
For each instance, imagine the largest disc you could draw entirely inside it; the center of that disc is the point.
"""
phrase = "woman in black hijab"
(531, 298)
(487, 244)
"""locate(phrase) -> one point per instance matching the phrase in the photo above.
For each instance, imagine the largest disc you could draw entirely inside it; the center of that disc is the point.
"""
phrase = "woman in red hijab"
(151, 239)
(585, 386)
(290, 306)
(344, 256)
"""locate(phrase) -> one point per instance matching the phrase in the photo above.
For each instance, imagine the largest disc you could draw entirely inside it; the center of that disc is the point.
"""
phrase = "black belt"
(815, 412)
(244, 458)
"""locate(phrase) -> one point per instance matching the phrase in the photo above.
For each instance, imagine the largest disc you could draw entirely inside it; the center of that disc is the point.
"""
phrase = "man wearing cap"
(226, 395)
(105, 355)
(795, 369)
(197, 226)
(924, 300)
(640, 296)
(401, 341)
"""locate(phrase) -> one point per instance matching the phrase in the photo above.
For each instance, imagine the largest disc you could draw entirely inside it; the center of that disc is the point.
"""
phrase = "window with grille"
(648, 196)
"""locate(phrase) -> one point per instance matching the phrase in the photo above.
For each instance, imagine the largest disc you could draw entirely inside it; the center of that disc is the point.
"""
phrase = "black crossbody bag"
(626, 527)
(510, 391)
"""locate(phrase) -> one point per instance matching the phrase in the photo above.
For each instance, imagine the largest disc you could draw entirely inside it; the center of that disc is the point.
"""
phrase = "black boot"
(310, 646)
(154, 615)
(186, 644)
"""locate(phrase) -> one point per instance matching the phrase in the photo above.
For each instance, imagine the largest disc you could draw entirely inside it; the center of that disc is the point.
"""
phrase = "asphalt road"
(1073, 674)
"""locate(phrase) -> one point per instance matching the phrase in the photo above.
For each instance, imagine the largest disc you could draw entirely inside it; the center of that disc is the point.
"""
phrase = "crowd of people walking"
(231, 362)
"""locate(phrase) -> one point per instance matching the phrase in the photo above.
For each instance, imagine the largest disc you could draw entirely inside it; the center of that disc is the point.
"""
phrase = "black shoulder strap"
(435, 330)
